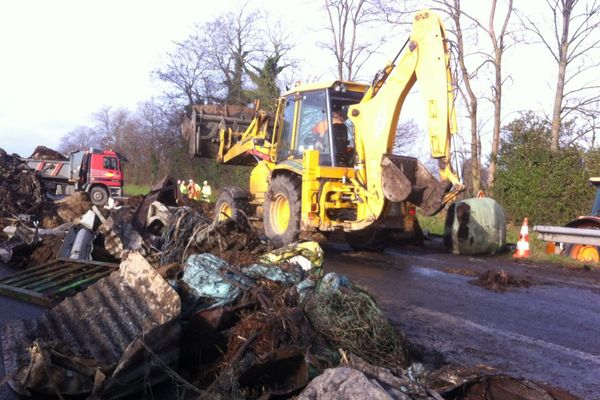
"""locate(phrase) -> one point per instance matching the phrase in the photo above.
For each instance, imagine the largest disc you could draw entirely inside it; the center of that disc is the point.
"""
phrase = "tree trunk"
(497, 116)
(475, 161)
(475, 176)
(563, 55)
(558, 100)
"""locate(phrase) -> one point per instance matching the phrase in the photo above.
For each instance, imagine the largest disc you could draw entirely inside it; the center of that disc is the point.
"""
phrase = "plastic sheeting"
(207, 276)
(308, 255)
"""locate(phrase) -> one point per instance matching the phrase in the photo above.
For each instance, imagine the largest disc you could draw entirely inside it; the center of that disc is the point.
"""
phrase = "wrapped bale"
(475, 226)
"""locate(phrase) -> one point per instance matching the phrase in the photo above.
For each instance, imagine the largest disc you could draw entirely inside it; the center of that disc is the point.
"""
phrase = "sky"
(64, 60)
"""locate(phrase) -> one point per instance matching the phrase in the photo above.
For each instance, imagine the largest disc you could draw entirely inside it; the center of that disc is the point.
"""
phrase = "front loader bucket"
(405, 178)
(202, 124)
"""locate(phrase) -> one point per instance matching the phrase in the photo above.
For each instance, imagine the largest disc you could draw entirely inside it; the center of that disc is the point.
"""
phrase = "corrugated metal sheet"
(106, 322)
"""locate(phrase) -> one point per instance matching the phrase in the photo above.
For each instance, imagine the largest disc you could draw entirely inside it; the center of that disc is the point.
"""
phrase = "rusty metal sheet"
(51, 282)
(114, 322)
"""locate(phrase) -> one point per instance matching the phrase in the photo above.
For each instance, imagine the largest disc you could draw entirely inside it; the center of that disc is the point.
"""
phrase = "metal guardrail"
(568, 235)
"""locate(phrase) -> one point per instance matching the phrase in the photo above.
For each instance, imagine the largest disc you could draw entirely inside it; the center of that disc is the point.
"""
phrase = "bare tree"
(407, 134)
(233, 40)
(454, 11)
(79, 138)
(266, 77)
(228, 59)
(498, 41)
(575, 36)
(187, 70)
(349, 21)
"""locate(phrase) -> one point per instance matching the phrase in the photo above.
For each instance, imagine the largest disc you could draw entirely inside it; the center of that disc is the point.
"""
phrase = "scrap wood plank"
(51, 282)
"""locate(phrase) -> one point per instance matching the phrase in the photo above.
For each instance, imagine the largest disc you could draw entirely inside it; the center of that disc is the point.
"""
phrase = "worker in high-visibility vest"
(197, 192)
(191, 189)
(182, 187)
(206, 191)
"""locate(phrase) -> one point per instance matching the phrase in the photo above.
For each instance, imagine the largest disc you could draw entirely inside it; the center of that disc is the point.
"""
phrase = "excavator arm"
(375, 118)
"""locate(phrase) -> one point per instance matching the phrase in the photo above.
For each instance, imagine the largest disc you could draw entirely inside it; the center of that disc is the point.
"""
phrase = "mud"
(239, 258)
(47, 250)
(500, 281)
(67, 209)
(461, 271)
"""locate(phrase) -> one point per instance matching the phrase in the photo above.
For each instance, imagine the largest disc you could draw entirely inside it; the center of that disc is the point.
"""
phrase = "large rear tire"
(232, 203)
(582, 252)
(99, 196)
(282, 209)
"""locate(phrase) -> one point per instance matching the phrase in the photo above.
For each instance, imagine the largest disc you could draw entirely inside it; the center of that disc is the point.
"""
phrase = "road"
(549, 332)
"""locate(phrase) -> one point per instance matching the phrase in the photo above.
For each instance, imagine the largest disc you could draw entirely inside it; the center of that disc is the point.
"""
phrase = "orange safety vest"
(322, 127)
(197, 192)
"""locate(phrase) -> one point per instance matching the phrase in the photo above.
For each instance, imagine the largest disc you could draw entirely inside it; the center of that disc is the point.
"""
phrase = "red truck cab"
(101, 175)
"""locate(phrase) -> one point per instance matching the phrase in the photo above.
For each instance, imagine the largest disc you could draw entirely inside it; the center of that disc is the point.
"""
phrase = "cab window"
(314, 126)
(110, 163)
(285, 139)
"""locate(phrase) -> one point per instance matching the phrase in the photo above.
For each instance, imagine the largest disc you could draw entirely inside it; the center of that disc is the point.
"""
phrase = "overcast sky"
(63, 60)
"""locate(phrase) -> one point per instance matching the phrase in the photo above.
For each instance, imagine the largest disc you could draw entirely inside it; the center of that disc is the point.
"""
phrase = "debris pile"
(154, 296)
(499, 281)
(21, 191)
(45, 153)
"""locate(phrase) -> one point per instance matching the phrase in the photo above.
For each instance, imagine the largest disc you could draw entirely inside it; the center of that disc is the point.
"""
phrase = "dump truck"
(97, 172)
(323, 162)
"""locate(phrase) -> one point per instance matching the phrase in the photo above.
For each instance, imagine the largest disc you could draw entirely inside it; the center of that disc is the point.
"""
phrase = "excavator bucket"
(405, 178)
(202, 124)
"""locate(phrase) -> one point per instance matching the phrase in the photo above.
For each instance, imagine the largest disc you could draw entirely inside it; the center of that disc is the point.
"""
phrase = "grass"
(434, 224)
(135, 190)
(538, 254)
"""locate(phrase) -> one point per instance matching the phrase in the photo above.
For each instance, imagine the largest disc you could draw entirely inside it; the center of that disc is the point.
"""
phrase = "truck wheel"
(98, 196)
(232, 202)
(370, 238)
(282, 210)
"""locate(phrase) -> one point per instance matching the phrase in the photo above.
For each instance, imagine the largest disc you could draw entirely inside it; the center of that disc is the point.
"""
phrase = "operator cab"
(321, 124)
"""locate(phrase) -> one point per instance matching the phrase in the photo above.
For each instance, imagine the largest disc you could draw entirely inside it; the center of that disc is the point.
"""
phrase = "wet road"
(549, 332)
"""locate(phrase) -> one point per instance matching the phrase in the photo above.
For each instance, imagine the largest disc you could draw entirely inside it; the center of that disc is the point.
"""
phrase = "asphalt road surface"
(548, 332)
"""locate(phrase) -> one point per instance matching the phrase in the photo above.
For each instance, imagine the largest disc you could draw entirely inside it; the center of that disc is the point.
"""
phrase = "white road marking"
(457, 321)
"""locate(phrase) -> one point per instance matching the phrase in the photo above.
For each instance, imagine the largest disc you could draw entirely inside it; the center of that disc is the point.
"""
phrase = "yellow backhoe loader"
(324, 161)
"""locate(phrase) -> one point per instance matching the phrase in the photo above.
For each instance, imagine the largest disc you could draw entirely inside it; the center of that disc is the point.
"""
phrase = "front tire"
(99, 196)
(232, 203)
(282, 210)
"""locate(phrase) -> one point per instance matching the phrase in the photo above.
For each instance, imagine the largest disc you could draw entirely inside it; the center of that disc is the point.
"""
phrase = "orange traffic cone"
(522, 250)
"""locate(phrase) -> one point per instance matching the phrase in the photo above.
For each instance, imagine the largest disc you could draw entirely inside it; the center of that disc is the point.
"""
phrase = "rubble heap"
(21, 191)
(45, 153)
(155, 297)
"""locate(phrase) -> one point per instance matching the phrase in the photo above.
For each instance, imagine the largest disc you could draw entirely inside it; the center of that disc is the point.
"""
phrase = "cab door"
(314, 126)
(285, 128)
